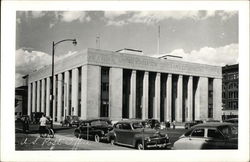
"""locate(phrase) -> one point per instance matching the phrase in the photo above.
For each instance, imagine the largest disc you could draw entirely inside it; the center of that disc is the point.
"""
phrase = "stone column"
(115, 93)
(93, 97)
(34, 96)
(178, 112)
(38, 97)
(132, 96)
(84, 93)
(48, 96)
(29, 99)
(217, 99)
(74, 95)
(201, 99)
(168, 105)
(190, 99)
(157, 99)
(59, 98)
(43, 96)
(145, 96)
(54, 100)
(66, 93)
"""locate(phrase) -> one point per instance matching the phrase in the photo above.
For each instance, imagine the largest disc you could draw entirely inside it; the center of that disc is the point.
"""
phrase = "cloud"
(70, 16)
(28, 61)
(207, 55)
(37, 14)
(119, 18)
(114, 14)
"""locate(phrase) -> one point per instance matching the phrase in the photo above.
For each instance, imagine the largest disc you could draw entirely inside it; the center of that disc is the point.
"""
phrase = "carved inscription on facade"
(152, 64)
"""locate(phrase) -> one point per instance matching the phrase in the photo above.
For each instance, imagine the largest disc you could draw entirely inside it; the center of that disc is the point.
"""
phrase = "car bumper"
(158, 143)
(163, 145)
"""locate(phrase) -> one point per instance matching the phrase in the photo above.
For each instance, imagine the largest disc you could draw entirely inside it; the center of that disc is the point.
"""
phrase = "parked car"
(35, 117)
(96, 129)
(70, 121)
(153, 123)
(232, 120)
(209, 136)
(189, 124)
(132, 133)
(211, 121)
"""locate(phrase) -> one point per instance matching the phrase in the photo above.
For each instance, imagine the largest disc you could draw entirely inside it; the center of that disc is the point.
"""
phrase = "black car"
(70, 121)
(35, 117)
(232, 120)
(152, 123)
(96, 129)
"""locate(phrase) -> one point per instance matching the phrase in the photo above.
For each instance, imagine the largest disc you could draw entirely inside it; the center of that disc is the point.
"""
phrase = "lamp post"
(52, 86)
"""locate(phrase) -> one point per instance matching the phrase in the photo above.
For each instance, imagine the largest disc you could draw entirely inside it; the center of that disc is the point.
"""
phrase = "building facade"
(97, 83)
(230, 91)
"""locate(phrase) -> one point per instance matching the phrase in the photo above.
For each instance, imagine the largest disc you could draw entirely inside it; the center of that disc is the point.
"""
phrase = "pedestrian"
(173, 123)
(167, 124)
(25, 121)
(42, 128)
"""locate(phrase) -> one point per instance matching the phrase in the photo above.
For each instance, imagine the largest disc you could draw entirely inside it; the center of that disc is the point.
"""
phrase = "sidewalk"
(68, 143)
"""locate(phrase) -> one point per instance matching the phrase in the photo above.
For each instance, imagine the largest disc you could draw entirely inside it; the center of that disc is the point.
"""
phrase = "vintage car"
(209, 136)
(132, 133)
(189, 124)
(70, 121)
(35, 117)
(96, 129)
(153, 123)
(232, 120)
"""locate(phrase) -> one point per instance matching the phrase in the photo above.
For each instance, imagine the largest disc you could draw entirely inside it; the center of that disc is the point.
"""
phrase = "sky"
(201, 36)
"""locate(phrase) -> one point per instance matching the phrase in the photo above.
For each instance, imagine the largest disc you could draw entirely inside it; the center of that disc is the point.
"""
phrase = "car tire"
(97, 138)
(139, 146)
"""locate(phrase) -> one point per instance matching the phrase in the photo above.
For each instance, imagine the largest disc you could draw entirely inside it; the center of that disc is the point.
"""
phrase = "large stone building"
(230, 91)
(97, 83)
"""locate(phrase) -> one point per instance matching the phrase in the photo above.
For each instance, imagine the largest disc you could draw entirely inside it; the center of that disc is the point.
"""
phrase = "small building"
(21, 98)
(98, 83)
(230, 91)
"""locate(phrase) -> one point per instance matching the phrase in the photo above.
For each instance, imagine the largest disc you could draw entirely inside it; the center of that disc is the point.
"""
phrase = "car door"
(214, 139)
(118, 132)
(196, 139)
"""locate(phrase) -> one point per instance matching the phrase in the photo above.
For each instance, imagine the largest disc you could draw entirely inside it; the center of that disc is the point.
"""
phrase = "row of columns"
(39, 99)
(201, 98)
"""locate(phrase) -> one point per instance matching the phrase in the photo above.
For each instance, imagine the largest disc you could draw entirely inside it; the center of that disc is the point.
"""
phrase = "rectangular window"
(104, 106)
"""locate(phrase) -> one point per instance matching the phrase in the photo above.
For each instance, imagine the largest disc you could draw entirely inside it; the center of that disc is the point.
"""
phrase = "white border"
(8, 39)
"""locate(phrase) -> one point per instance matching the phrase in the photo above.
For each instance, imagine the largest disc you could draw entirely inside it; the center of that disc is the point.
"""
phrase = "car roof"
(213, 124)
(231, 119)
(130, 121)
(96, 119)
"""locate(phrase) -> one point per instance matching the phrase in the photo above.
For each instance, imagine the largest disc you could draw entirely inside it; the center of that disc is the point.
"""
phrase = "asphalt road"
(65, 140)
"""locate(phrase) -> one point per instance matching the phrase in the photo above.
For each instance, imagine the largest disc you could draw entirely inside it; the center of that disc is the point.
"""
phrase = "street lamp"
(52, 86)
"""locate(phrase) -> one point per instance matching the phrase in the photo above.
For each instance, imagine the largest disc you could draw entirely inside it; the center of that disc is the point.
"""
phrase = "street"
(65, 140)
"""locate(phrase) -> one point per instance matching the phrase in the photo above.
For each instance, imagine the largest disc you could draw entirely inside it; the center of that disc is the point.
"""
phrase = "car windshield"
(229, 131)
(137, 125)
(75, 117)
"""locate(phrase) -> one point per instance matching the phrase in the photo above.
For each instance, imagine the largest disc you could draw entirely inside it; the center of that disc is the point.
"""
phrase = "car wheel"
(77, 133)
(140, 146)
(97, 138)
